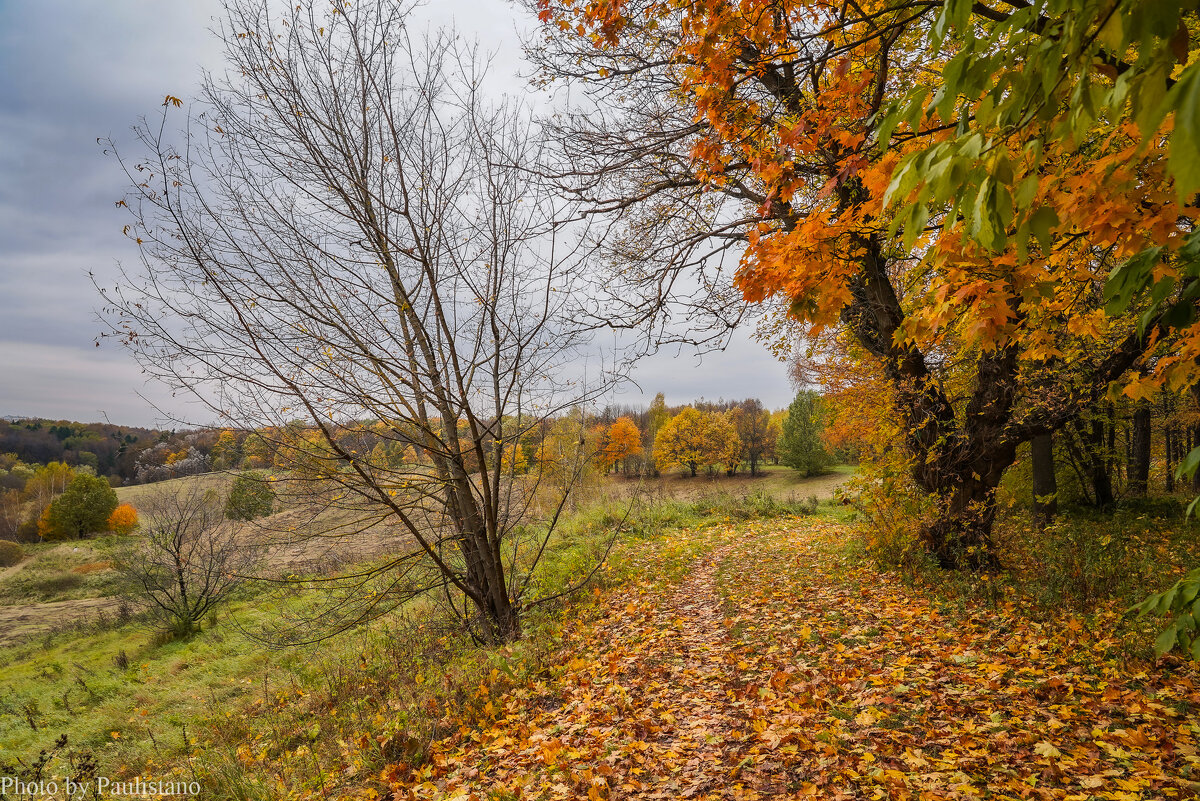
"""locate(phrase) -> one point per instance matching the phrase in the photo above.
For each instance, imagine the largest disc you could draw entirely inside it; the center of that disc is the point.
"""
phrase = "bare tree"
(347, 250)
(188, 561)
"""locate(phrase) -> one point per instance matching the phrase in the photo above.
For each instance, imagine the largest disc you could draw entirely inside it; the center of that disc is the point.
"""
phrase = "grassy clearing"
(61, 571)
(136, 493)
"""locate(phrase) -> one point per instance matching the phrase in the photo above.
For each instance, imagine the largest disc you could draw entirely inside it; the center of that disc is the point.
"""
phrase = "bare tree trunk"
(1139, 450)
(1045, 484)
(357, 238)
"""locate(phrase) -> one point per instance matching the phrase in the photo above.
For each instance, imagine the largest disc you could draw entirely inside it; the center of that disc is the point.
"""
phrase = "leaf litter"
(780, 667)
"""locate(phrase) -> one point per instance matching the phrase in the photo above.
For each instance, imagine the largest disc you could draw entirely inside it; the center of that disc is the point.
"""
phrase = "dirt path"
(27, 620)
(655, 712)
(783, 667)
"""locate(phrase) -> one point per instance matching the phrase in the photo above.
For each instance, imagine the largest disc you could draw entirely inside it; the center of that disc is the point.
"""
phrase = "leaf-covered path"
(776, 667)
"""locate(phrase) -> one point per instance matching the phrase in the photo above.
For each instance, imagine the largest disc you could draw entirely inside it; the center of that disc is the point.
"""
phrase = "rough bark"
(1045, 485)
(1139, 450)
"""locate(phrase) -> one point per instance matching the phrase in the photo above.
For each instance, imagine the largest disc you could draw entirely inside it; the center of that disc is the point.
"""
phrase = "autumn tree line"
(122, 454)
(703, 437)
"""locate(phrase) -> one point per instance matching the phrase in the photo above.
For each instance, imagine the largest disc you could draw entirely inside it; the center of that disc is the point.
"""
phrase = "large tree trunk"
(1045, 484)
(964, 479)
(1139, 450)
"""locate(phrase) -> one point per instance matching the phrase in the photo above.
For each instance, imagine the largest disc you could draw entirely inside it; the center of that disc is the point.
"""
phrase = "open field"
(63, 584)
(777, 481)
(136, 493)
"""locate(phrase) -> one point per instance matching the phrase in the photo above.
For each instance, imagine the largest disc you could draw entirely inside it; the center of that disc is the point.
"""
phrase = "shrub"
(83, 508)
(123, 520)
(187, 564)
(10, 553)
(250, 497)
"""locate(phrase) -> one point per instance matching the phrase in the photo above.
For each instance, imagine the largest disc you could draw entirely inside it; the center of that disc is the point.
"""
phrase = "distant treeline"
(124, 454)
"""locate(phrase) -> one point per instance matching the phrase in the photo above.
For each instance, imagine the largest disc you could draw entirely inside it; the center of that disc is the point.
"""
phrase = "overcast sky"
(72, 72)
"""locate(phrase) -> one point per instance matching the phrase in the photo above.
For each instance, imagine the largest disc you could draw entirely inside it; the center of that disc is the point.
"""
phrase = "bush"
(10, 553)
(187, 564)
(250, 497)
(123, 520)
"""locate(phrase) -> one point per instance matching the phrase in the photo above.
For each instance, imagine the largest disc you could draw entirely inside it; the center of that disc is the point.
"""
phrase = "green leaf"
(915, 225)
(1168, 598)
(1027, 191)
(1043, 221)
(1184, 161)
(1166, 641)
(1113, 33)
(1187, 468)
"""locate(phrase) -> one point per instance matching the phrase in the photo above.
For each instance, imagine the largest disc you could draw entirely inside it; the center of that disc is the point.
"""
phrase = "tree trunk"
(1045, 484)
(1169, 448)
(1139, 450)
(961, 537)
(1098, 474)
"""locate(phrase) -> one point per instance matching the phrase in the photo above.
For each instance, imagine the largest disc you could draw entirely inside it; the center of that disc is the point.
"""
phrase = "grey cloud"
(71, 72)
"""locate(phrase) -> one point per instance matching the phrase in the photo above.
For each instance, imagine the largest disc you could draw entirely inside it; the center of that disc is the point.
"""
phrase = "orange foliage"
(123, 520)
(45, 528)
(620, 441)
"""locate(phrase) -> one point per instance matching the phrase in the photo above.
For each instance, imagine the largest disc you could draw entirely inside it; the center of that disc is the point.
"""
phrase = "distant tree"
(226, 453)
(512, 459)
(12, 510)
(656, 417)
(753, 425)
(724, 446)
(681, 441)
(257, 452)
(250, 497)
(800, 445)
(45, 528)
(565, 457)
(123, 520)
(48, 481)
(774, 432)
(695, 439)
(83, 508)
(622, 441)
(188, 561)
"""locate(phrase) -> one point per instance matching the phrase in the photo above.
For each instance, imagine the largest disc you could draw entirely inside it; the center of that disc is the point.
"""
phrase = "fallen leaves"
(780, 667)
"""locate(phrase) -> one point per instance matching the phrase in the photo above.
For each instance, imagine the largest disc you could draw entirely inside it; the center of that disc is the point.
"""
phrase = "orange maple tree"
(781, 133)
